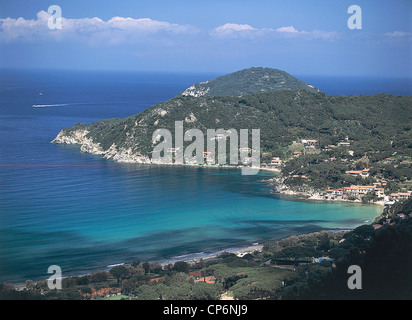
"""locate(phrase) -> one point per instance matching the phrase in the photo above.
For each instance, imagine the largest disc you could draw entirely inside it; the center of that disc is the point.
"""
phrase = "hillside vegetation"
(378, 125)
(248, 81)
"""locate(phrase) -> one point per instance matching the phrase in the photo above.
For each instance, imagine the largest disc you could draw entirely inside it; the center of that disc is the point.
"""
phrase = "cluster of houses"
(311, 144)
(362, 173)
(400, 196)
(355, 192)
(275, 162)
(314, 144)
(360, 191)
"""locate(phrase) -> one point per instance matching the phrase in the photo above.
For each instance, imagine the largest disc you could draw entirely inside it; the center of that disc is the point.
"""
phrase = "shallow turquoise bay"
(86, 218)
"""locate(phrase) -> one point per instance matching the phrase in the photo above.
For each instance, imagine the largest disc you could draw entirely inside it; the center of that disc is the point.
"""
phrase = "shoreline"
(312, 195)
(193, 258)
(190, 258)
(318, 199)
(87, 145)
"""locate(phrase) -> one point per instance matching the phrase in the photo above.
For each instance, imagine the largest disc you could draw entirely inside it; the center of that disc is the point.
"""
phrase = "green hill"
(248, 81)
(378, 125)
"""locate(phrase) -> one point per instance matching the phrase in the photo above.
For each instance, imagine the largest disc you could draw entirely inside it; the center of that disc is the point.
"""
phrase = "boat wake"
(50, 105)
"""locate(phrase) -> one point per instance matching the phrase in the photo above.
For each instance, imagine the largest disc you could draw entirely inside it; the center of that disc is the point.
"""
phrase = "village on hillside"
(371, 185)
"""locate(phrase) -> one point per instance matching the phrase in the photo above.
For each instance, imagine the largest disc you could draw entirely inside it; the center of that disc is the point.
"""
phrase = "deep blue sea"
(86, 218)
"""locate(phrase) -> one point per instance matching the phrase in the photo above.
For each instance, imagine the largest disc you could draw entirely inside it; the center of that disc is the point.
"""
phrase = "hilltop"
(248, 81)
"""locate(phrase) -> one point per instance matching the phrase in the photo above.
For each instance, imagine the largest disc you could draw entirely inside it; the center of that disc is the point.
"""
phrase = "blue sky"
(298, 36)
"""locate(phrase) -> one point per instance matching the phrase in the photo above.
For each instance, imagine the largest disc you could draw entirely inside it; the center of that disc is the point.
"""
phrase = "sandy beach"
(197, 257)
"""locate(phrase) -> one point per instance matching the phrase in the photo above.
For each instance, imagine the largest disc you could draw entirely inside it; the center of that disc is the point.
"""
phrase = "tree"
(337, 253)
(248, 256)
(99, 276)
(119, 272)
(83, 281)
(69, 282)
(177, 291)
(138, 271)
(135, 263)
(66, 294)
(181, 266)
(177, 278)
(365, 231)
(388, 262)
(8, 292)
(128, 286)
(146, 292)
(155, 267)
(206, 291)
(324, 243)
(146, 266)
(86, 290)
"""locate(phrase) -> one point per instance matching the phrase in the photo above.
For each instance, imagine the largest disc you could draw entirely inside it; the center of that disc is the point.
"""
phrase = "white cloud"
(93, 30)
(148, 25)
(324, 35)
(233, 27)
(231, 30)
(19, 28)
(398, 34)
(127, 30)
(289, 29)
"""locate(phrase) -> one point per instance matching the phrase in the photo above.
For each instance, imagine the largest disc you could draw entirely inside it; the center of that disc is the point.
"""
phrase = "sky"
(298, 36)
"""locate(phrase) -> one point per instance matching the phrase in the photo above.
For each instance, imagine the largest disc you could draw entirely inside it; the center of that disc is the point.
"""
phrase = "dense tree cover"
(296, 253)
(371, 121)
(120, 272)
(178, 286)
(248, 280)
(384, 256)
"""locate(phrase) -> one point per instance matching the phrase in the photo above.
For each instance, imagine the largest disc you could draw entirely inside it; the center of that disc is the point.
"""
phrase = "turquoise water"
(86, 218)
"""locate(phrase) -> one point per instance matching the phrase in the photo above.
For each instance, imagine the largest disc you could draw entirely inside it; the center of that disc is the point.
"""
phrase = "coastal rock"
(87, 145)
(74, 137)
